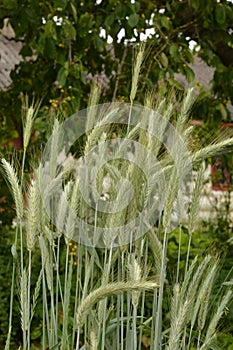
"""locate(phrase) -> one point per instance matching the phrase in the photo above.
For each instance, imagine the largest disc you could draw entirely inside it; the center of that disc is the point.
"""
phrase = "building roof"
(203, 73)
(9, 55)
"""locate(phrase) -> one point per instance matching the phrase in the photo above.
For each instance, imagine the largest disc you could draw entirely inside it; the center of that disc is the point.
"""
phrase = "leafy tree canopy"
(66, 45)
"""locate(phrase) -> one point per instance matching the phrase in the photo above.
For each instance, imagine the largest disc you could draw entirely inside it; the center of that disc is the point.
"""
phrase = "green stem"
(158, 323)
(135, 327)
(64, 324)
(178, 258)
(188, 253)
(29, 296)
(105, 301)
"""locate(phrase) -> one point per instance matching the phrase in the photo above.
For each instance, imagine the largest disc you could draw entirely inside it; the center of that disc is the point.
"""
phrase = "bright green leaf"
(62, 76)
(223, 111)
(188, 56)
(165, 22)
(83, 78)
(189, 74)
(174, 52)
(164, 60)
(163, 88)
(176, 84)
(74, 12)
(162, 75)
(75, 71)
(133, 20)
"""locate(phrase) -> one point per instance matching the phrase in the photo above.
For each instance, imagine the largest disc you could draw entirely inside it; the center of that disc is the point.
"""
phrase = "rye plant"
(96, 296)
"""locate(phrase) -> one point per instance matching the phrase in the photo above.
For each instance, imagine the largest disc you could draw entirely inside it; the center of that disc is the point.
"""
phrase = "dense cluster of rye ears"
(97, 221)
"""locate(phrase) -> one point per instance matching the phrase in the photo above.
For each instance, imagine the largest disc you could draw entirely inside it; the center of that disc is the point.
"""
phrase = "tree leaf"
(174, 52)
(69, 30)
(109, 20)
(41, 43)
(195, 4)
(74, 12)
(62, 75)
(163, 88)
(133, 20)
(165, 22)
(189, 74)
(60, 4)
(176, 84)
(50, 29)
(121, 10)
(50, 48)
(61, 57)
(223, 111)
(98, 43)
(164, 60)
(220, 14)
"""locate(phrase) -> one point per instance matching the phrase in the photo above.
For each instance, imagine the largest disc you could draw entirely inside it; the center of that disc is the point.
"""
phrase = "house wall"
(214, 202)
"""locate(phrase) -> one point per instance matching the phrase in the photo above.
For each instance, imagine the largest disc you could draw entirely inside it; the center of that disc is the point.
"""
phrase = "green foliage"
(6, 240)
(61, 41)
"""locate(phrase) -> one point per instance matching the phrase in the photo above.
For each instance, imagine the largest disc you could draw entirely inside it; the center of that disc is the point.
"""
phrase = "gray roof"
(203, 73)
(9, 55)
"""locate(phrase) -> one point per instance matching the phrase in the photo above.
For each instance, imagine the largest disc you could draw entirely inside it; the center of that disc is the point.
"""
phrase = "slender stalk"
(77, 340)
(118, 314)
(57, 262)
(29, 297)
(46, 312)
(188, 253)
(135, 327)
(64, 344)
(178, 258)
(106, 279)
(14, 254)
(77, 293)
(129, 117)
(22, 168)
(145, 256)
(22, 292)
(122, 301)
(158, 322)
(44, 323)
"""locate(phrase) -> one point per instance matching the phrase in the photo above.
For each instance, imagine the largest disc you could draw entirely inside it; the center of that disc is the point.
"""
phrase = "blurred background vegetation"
(65, 45)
